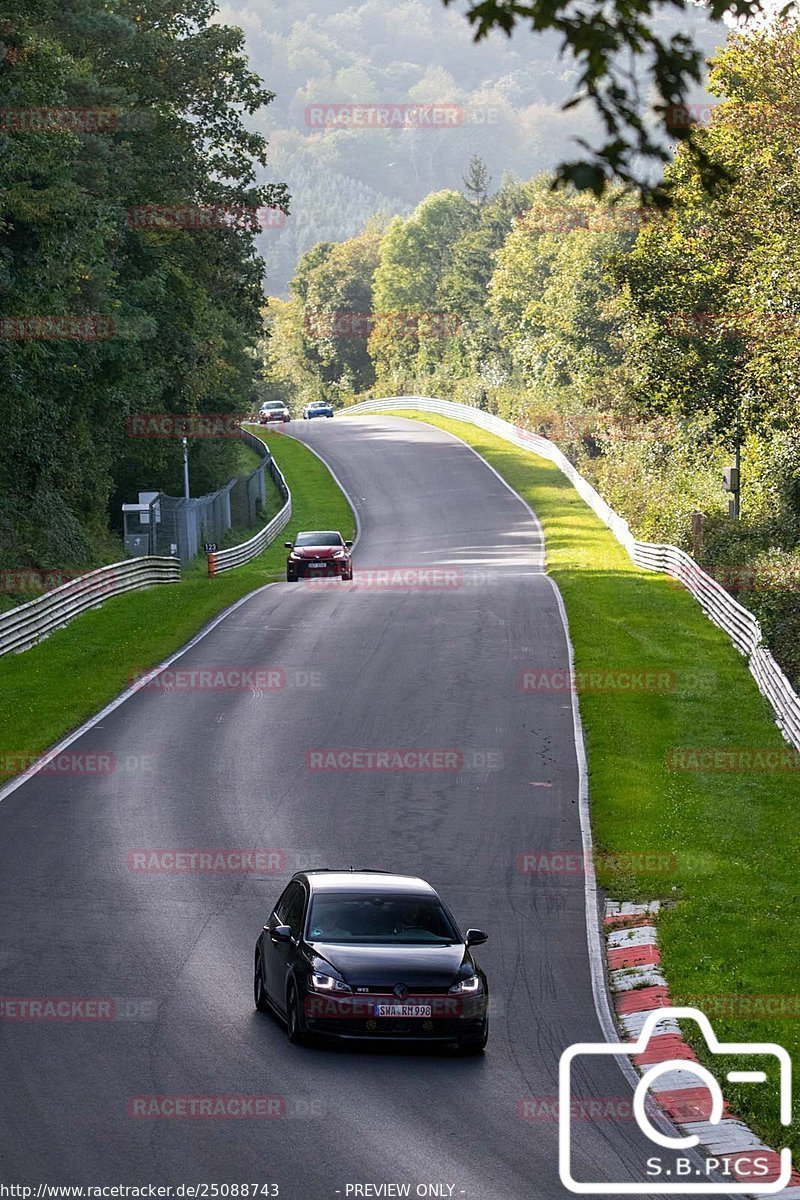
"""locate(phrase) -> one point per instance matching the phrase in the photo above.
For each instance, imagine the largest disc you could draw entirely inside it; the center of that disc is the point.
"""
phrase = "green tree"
(337, 304)
(184, 303)
(409, 330)
(714, 291)
(477, 182)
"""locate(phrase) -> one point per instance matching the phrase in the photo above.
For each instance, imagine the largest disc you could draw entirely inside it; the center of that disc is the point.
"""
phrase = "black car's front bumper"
(453, 1018)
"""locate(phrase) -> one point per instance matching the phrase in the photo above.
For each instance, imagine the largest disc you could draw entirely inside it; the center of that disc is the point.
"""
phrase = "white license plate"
(317, 566)
(402, 1010)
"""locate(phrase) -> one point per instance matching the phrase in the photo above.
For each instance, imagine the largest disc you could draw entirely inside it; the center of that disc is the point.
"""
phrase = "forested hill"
(647, 344)
(318, 52)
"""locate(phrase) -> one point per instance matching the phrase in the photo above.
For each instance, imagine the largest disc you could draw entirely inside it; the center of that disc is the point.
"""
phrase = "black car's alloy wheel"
(259, 995)
(296, 1035)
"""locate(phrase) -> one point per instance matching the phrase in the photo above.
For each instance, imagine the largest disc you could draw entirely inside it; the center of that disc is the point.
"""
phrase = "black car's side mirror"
(476, 937)
(288, 545)
(281, 933)
(348, 543)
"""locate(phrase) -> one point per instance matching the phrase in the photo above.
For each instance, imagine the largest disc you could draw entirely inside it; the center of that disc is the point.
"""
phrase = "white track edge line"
(113, 705)
(594, 936)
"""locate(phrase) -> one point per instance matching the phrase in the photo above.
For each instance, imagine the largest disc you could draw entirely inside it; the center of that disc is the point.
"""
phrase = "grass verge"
(52, 688)
(731, 838)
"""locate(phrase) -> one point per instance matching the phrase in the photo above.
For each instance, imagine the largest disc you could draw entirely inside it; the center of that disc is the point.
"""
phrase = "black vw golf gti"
(367, 954)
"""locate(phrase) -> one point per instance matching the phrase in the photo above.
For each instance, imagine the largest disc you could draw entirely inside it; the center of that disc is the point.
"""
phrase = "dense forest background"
(647, 345)
(177, 308)
(511, 92)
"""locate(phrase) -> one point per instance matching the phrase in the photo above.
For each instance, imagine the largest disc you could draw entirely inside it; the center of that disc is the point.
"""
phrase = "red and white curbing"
(639, 987)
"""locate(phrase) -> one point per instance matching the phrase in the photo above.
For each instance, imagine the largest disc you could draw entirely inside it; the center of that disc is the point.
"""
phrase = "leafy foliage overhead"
(621, 47)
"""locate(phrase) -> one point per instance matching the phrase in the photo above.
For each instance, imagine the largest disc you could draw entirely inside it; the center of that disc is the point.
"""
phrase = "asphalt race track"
(433, 664)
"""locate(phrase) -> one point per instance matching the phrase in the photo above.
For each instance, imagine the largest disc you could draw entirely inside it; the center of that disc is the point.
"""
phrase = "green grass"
(732, 927)
(52, 688)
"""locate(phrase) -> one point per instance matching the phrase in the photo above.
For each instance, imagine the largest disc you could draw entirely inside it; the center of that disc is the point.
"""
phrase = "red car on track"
(317, 554)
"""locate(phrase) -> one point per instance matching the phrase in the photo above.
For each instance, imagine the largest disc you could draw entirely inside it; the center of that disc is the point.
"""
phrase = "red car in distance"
(317, 554)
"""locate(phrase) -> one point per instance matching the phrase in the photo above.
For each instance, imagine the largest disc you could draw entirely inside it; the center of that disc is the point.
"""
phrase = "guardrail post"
(212, 565)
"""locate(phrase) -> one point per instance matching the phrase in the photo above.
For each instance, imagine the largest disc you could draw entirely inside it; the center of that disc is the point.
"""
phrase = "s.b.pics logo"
(749, 1171)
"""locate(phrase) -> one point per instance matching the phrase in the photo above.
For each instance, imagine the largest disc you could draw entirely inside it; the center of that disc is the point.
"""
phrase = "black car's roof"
(363, 881)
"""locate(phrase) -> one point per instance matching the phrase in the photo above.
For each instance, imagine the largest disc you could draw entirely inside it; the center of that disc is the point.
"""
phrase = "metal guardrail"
(27, 624)
(718, 605)
(236, 556)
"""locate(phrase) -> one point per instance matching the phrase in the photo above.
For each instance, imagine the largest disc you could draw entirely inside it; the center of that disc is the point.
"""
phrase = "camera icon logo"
(664, 1139)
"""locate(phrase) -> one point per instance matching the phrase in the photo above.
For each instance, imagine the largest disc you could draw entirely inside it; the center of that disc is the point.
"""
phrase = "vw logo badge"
(400, 990)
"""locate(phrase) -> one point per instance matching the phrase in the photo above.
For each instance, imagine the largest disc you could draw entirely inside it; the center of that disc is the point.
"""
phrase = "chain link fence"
(180, 527)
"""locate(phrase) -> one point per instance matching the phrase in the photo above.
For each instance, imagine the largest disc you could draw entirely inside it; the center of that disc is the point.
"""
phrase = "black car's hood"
(416, 966)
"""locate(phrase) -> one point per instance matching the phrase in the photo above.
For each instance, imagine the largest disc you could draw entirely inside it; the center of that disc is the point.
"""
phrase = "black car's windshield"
(379, 919)
(318, 539)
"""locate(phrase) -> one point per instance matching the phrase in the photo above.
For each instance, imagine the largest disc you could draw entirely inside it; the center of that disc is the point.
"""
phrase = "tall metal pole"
(737, 494)
(186, 467)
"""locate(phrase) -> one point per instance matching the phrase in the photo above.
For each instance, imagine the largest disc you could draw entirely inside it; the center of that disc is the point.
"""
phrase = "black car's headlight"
(471, 986)
(326, 983)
